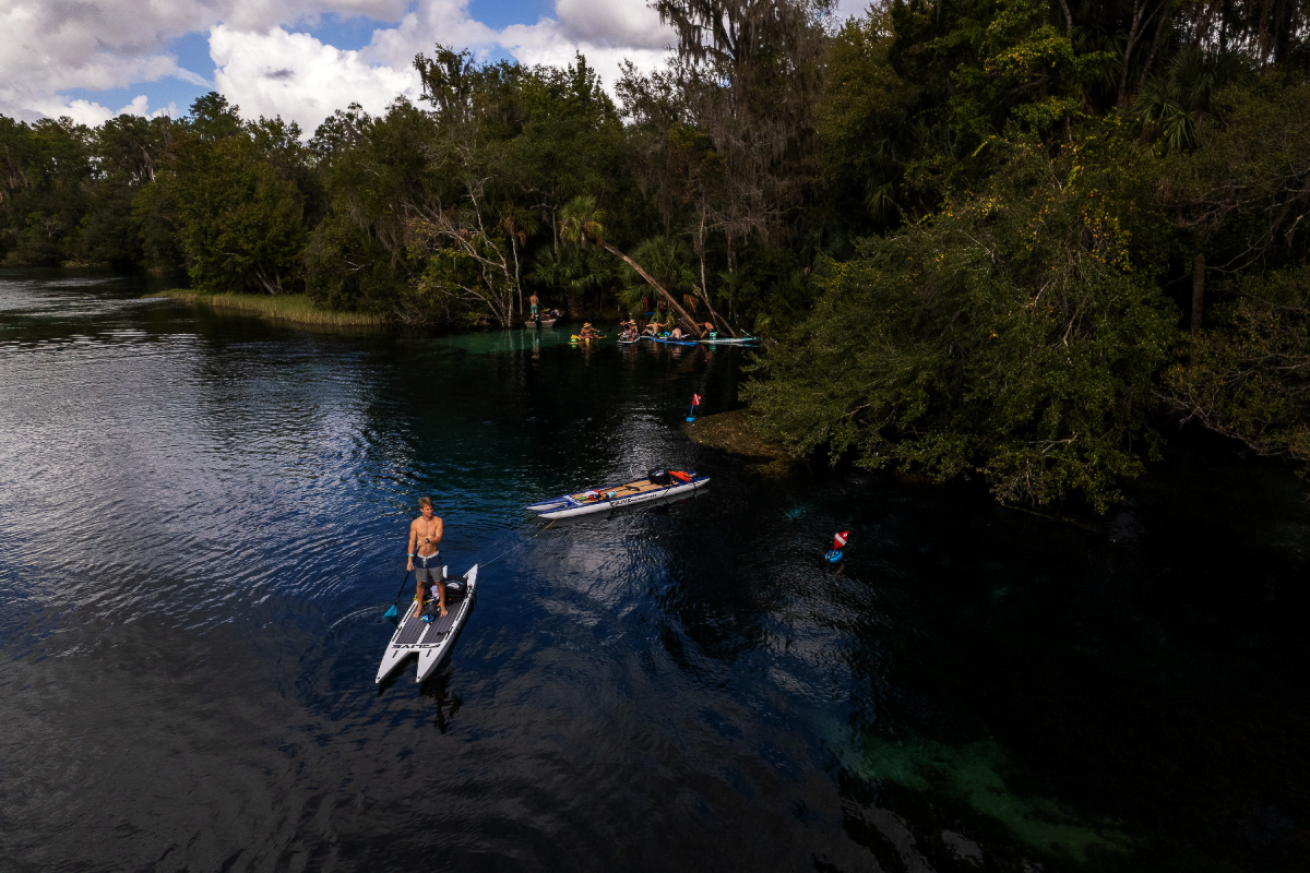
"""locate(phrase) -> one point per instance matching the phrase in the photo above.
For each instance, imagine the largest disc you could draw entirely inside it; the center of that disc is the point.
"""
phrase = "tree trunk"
(1068, 19)
(1141, 21)
(1129, 44)
(1150, 58)
(732, 271)
(1198, 293)
(689, 322)
(704, 285)
(518, 281)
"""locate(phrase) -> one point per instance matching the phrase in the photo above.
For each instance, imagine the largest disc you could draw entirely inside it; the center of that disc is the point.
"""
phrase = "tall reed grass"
(295, 308)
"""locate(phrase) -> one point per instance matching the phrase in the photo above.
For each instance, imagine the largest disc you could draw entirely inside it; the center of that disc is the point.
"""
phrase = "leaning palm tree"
(581, 222)
(667, 260)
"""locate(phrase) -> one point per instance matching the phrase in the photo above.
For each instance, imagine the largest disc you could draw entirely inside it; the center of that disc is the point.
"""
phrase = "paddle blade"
(391, 613)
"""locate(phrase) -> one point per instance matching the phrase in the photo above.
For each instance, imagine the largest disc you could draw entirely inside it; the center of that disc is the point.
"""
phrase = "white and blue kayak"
(430, 635)
(657, 486)
(729, 341)
(670, 342)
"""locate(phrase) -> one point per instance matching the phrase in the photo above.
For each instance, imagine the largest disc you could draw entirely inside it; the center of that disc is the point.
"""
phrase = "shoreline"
(293, 308)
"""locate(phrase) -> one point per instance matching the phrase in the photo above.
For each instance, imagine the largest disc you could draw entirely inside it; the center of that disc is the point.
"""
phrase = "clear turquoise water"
(202, 517)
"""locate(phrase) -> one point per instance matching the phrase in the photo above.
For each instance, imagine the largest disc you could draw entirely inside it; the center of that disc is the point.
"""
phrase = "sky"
(300, 59)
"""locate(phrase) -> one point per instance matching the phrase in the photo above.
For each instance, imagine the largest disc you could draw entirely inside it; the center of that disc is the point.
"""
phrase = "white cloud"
(54, 45)
(607, 32)
(299, 78)
(613, 24)
(266, 67)
(92, 114)
(430, 22)
(85, 112)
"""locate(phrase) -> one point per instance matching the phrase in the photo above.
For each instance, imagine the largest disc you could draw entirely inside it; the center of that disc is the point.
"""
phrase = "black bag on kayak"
(659, 477)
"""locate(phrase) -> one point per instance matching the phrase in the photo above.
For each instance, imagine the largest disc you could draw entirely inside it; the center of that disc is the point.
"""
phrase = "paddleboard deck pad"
(431, 640)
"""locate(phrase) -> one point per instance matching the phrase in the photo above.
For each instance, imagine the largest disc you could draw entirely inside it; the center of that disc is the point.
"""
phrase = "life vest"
(680, 476)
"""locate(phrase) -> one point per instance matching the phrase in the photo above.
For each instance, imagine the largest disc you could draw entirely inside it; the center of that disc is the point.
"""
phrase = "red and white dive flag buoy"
(838, 543)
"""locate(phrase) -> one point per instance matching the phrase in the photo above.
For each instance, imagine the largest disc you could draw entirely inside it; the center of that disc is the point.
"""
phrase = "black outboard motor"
(659, 477)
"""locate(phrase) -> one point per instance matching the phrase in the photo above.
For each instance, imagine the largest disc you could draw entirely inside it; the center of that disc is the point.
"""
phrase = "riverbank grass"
(731, 432)
(294, 308)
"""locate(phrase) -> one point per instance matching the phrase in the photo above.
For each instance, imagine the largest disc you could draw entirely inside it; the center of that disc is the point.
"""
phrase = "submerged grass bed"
(295, 308)
(731, 432)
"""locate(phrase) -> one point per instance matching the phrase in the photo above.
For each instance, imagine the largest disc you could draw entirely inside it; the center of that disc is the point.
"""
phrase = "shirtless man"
(424, 550)
(534, 301)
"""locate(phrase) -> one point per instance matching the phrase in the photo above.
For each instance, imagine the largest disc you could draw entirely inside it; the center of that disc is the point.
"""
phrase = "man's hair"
(425, 503)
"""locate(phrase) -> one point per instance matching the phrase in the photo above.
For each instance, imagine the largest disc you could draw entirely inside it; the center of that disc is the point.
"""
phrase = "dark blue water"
(202, 517)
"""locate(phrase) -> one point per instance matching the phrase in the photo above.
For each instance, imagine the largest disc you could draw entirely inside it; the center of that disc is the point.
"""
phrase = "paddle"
(392, 613)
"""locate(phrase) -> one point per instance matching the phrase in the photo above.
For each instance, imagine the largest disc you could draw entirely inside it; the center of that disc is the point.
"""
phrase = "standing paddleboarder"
(425, 554)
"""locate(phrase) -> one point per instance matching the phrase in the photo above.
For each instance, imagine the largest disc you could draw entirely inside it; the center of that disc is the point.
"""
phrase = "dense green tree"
(358, 257)
(509, 145)
(47, 166)
(1248, 376)
(1015, 335)
(229, 201)
(240, 222)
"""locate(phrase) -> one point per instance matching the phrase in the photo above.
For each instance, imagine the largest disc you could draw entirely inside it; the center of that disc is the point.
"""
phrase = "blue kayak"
(671, 342)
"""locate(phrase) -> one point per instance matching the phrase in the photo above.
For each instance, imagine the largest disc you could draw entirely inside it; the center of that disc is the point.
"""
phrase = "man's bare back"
(425, 534)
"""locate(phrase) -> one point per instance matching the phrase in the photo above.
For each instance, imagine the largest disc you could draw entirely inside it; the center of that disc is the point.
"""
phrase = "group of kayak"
(705, 332)
(672, 334)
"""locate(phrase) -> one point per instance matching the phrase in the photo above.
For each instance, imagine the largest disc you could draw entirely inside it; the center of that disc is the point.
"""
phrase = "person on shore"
(425, 534)
(534, 301)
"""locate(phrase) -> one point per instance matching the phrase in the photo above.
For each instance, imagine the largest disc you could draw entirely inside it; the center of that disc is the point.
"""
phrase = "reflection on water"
(202, 517)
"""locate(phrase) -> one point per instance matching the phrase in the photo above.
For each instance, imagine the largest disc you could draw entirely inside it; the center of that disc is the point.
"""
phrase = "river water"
(202, 517)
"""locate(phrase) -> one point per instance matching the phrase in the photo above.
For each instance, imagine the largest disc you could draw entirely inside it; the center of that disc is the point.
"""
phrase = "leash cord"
(519, 546)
